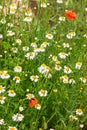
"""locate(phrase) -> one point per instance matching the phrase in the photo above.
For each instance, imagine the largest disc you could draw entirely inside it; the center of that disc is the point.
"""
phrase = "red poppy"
(32, 102)
(70, 15)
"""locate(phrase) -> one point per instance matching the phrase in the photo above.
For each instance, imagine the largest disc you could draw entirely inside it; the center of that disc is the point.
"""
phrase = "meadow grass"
(43, 57)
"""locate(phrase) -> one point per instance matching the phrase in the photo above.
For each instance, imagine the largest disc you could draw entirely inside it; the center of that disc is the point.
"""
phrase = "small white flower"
(73, 117)
(67, 70)
(12, 128)
(25, 48)
(34, 45)
(83, 79)
(66, 45)
(38, 106)
(81, 125)
(10, 33)
(59, 1)
(28, 19)
(18, 117)
(34, 78)
(16, 79)
(21, 108)
(30, 96)
(49, 36)
(2, 99)
(43, 5)
(61, 18)
(62, 55)
(14, 50)
(1, 36)
(2, 89)
(18, 41)
(1, 121)
(78, 65)
(58, 67)
(11, 93)
(71, 35)
(18, 69)
(43, 93)
(31, 55)
(79, 112)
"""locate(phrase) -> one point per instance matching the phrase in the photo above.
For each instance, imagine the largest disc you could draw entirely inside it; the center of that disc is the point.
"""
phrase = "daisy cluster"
(43, 74)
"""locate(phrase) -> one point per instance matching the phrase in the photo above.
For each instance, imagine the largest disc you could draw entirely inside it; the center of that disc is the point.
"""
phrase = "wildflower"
(44, 44)
(70, 35)
(34, 78)
(38, 106)
(78, 65)
(47, 75)
(30, 96)
(2, 89)
(12, 11)
(59, 1)
(58, 67)
(43, 5)
(13, 5)
(10, 33)
(17, 79)
(61, 18)
(17, 117)
(10, 24)
(73, 117)
(1, 36)
(28, 13)
(79, 112)
(30, 55)
(81, 125)
(43, 93)
(65, 79)
(3, 21)
(28, 19)
(83, 79)
(4, 75)
(72, 81)
(11, 93)
(32, 102)
(54, 58)
(66, 45)
(70, 15)
(14, 49)
(49, 36)
(21, 108)
(25, 48)
(1, 7)
(2, 99)
(67, 70)
(34, 45)
(18, 69)
(18, 41)
(1, 121)
(12, 128)
(62, 55)
(44, 69)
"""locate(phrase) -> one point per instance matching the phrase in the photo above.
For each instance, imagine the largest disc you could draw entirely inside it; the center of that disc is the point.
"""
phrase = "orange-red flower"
(70, 15)
(33, 102)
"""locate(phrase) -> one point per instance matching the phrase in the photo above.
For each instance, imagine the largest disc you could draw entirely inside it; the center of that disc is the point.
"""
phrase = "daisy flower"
(18, 117)
(78, 65)
(18, 69)
(11, 93)
(1, 121)
(2, 99)
(12, 128)
(43, 93)
(2, 89)
(34, 78)
(79, 112)
(49, 36)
